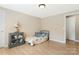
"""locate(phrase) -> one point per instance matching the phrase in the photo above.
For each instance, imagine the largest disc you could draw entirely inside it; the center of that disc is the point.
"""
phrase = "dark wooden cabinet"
(16, 39)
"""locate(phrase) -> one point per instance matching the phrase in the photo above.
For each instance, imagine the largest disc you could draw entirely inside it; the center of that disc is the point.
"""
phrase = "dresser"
(16, 39)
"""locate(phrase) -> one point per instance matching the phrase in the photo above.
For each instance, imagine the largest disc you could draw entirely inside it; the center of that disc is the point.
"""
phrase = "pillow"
(43, 34)
(38, 34)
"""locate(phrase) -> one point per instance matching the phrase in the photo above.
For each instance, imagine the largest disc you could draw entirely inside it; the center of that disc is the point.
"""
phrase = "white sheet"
(36, 40)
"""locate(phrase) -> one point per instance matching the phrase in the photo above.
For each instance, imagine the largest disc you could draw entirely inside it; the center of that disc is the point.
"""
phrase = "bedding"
(39, 37)
(35, 40)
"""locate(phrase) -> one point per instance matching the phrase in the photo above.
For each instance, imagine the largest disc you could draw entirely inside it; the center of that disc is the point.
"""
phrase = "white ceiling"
(50, 9)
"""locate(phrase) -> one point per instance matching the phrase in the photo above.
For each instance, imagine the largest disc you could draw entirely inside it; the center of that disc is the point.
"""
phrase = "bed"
(39, 37)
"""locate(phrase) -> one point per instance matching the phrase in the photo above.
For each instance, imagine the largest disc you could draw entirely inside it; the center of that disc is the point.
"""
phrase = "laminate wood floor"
(46, 48)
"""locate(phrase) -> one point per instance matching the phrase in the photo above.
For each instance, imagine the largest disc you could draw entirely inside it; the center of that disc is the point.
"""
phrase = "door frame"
(68, 14)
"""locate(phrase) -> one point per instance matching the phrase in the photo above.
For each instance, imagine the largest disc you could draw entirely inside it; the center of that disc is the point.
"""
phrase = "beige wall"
(55, 25)
(29, 24)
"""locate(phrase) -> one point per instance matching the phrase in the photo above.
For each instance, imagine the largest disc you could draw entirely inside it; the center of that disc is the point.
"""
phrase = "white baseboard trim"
(58, 41)
(76, 40)
(3, 46)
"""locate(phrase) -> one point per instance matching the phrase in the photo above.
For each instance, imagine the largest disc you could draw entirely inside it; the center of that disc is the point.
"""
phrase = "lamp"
(42, 5)
(17, 26)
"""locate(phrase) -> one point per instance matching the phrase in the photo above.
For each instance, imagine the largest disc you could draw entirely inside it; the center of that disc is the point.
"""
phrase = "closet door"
(2, 29)
(71, 28)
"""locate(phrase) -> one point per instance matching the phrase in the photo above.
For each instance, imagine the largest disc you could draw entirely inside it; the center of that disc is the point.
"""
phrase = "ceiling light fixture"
(42, 5)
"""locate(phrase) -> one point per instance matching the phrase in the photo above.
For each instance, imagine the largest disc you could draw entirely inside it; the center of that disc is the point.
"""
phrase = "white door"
(2, 27)
(70, 28)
